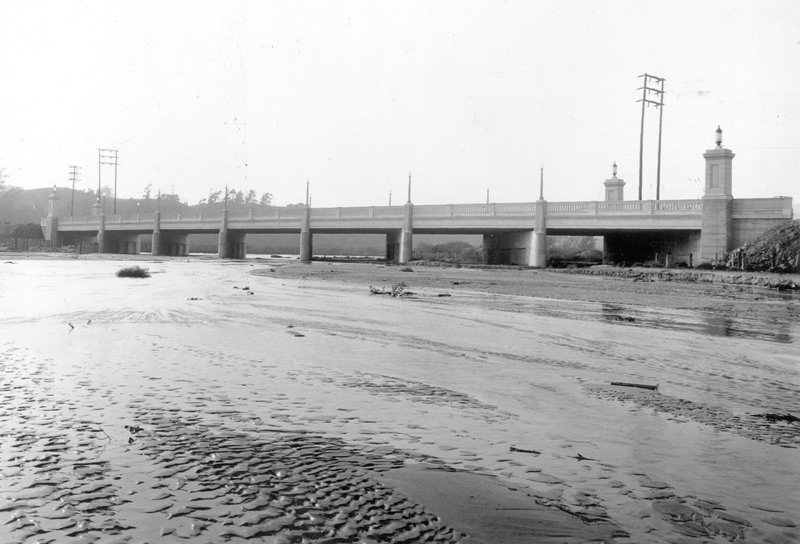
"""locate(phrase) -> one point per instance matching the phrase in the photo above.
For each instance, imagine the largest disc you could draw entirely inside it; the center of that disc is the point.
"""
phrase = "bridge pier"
(306, 239)
(406, 245)
(50, 224)
(101, 235)
(155, 248)
(230, 245)
(235, 246)
(538, 242)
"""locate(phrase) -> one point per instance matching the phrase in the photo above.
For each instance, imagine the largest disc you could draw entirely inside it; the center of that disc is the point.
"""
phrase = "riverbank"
(671, 288)
(781, 282)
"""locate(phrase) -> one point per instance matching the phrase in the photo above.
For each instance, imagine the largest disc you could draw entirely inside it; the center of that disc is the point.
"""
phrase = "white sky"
(353, 95)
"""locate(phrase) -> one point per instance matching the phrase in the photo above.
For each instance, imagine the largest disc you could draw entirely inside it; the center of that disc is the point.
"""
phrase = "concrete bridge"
(690, 231)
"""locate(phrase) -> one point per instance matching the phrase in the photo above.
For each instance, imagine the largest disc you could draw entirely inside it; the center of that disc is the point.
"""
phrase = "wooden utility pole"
(73, 176)
(648, 87)
(109, 157)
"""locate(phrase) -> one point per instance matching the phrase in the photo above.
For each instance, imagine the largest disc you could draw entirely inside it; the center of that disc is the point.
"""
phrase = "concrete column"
(538, 244)
(407, 234)
(156, 243)
(222, 243)
(101, 235)
(716, 232)
(305, 236)
(51, 223)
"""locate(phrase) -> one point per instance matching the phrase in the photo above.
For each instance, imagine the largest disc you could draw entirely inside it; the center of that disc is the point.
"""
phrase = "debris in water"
(774, 418)
(639, 385)
(398, 289)
(523, 450)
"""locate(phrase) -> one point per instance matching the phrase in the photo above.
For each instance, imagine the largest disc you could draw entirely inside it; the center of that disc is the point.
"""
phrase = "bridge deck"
(443, 218)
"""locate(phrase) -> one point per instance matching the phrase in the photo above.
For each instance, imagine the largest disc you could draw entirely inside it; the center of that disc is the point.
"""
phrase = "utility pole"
(73, 176)
(651, 84)
(109, 157)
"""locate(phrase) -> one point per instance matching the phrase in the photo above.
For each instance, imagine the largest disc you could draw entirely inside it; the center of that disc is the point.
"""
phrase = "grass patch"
(133, 272)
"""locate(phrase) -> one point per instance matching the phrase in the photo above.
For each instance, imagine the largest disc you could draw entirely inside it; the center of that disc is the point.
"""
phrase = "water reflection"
(779, 325)
(774, 330)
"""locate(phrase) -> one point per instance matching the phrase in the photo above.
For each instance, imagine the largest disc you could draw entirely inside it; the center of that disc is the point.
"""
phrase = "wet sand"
(211, 404)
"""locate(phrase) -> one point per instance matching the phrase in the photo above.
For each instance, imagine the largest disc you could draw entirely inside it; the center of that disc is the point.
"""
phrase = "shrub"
(133, 272)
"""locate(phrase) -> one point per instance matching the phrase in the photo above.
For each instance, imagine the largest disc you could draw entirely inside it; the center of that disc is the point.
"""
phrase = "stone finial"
(718, 137)
(614, 186)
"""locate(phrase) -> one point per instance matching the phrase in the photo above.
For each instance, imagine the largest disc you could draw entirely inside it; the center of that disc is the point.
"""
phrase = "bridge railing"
(681, 206)
(79, 220)
(626, 207)
(358, 212)
(134, 218)
(554, 209)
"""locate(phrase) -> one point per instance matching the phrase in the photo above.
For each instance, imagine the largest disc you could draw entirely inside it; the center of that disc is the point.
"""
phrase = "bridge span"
(690, 231)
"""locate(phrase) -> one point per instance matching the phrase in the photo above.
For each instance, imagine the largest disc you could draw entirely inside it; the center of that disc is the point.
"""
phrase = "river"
(102, 372)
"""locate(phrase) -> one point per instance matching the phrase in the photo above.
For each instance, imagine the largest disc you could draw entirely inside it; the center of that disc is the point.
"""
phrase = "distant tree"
(147, 190)
(266, 199)
(250, 197)
(214, 197)
(569, 246)
(238, 197)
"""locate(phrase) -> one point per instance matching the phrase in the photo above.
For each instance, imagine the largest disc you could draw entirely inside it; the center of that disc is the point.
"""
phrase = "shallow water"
(511, 386)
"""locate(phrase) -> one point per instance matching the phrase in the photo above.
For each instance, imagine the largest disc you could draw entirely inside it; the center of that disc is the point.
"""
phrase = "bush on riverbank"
(133, 272)
(777, 250)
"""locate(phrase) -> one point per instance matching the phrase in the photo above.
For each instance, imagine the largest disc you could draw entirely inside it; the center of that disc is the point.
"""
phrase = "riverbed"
(263, 400)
